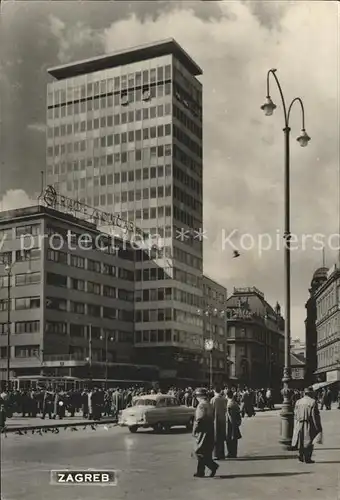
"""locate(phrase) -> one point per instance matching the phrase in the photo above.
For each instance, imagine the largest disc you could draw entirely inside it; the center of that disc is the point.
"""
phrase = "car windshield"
(145, 402)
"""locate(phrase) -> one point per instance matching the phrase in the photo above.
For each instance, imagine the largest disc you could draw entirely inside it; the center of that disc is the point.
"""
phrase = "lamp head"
(268, 107)
(303, 139)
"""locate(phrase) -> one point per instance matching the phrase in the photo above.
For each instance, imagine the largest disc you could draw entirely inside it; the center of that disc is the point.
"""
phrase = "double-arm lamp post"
(209, 343)
(303, 139)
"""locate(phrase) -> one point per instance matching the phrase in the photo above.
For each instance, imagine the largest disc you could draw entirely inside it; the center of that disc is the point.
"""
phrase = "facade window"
(110, 270)
(27, 303)
(93, 265)
(77, 330)
(3, 305)
(94, 310)
(56, 279)
(27, 279)
(56, 303)
(77, 307)
(57, 256)
(109, 291)
(77, 284)
(27, 351)
(26, 255)
(6, 258)
(27, 326)
(56, 327)
(93, 288)
(109, 312)
(77, 261)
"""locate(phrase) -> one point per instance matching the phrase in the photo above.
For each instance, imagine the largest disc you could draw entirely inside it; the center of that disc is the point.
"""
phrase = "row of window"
(94, 310)
(156, 294)
(182, 157)
(186, 198)
(20, 255)
(112, 119)
(188, 123)
(117, 83)
(7, 234)
(89, 287)
(329, 356)
(25, 351)
(89, 264)
(86, 331)
(22, 327)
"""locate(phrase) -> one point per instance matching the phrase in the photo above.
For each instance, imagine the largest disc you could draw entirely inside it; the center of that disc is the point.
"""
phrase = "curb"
(85, 423)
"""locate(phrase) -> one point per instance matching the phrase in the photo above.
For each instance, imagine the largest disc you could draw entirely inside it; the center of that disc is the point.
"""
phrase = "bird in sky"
(236, 254)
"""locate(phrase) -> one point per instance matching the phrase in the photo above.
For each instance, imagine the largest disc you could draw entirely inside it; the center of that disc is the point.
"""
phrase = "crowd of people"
(97, 402)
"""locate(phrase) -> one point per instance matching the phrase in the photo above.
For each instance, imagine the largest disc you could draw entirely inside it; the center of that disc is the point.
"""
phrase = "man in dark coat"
(203, 431)
(219, 404)
(307, 426)
(234, 421)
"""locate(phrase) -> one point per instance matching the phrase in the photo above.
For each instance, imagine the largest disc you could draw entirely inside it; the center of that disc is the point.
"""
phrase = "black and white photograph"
(169, 249)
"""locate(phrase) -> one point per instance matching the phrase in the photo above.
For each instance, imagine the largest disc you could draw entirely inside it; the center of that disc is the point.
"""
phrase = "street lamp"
(106, 355)
(8, 270)
(303, 140)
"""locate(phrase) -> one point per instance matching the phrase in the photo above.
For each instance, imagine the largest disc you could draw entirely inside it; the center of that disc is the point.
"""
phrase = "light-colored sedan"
(157, 411)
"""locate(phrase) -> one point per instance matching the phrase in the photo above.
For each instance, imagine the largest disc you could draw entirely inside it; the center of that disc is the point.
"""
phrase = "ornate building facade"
(255, 339)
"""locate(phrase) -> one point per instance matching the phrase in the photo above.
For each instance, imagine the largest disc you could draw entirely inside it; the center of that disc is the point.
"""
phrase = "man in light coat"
(203, 431)
(219, 404)
(307, 426)
(234, 421)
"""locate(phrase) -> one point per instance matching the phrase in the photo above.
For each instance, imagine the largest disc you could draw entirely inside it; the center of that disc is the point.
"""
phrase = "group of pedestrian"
(216, 428)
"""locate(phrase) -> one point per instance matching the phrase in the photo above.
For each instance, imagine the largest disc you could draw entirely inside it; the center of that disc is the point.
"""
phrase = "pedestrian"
(219, 405)
(234, 421)
(203, 430)
(307, 426)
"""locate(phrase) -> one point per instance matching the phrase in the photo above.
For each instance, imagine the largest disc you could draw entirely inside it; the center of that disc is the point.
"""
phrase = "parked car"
(156, 411)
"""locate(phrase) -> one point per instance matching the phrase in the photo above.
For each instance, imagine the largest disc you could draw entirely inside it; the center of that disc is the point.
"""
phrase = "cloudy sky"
(235, 43)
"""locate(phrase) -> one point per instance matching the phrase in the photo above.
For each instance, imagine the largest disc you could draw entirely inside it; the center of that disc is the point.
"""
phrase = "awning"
(320, 385)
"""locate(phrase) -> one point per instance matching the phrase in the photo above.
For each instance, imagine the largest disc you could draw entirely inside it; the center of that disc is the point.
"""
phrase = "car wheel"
(133, 429)
(166, 427)
(158, 427)
(190, 424)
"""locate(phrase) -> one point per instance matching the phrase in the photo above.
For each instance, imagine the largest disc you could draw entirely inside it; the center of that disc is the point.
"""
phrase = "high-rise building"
(124, 134)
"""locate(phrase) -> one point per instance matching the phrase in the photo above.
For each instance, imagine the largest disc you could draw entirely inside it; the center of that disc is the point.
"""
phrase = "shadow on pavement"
(263, 474)
(326, 449)
(268, 457)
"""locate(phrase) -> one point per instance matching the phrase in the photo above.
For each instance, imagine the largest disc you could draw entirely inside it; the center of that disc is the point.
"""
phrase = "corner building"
(71, 310)
(124, 134)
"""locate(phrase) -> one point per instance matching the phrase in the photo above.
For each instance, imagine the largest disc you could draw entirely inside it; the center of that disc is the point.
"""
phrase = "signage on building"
(333, 376)
(239, 313)
(298, 373)
(52, 199)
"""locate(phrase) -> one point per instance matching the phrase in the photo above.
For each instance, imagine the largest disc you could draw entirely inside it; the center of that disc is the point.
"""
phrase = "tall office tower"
(125, 135)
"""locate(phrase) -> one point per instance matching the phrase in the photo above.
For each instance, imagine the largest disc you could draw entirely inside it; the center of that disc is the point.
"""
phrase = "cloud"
(37, 127)
(16, 198)
(243, 150)
(74, 39)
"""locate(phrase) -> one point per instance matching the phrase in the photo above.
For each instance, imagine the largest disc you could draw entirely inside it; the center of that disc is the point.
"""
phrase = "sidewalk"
(17, 423)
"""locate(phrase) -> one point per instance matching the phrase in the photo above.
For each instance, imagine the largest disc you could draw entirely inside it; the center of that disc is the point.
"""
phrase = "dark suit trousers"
(232, 446)
(203, 462)
(306, 453)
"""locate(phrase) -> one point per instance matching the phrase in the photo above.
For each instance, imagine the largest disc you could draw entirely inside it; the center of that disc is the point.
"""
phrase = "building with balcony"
(319, 277)
(327, 298)
(124, 134)
(70, 295)
(255, 339)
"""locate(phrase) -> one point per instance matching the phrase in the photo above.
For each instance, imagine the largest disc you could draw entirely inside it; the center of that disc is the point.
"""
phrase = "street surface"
(160, 465)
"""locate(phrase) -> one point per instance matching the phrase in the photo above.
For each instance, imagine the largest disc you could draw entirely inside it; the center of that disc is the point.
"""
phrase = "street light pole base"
(287, 425)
